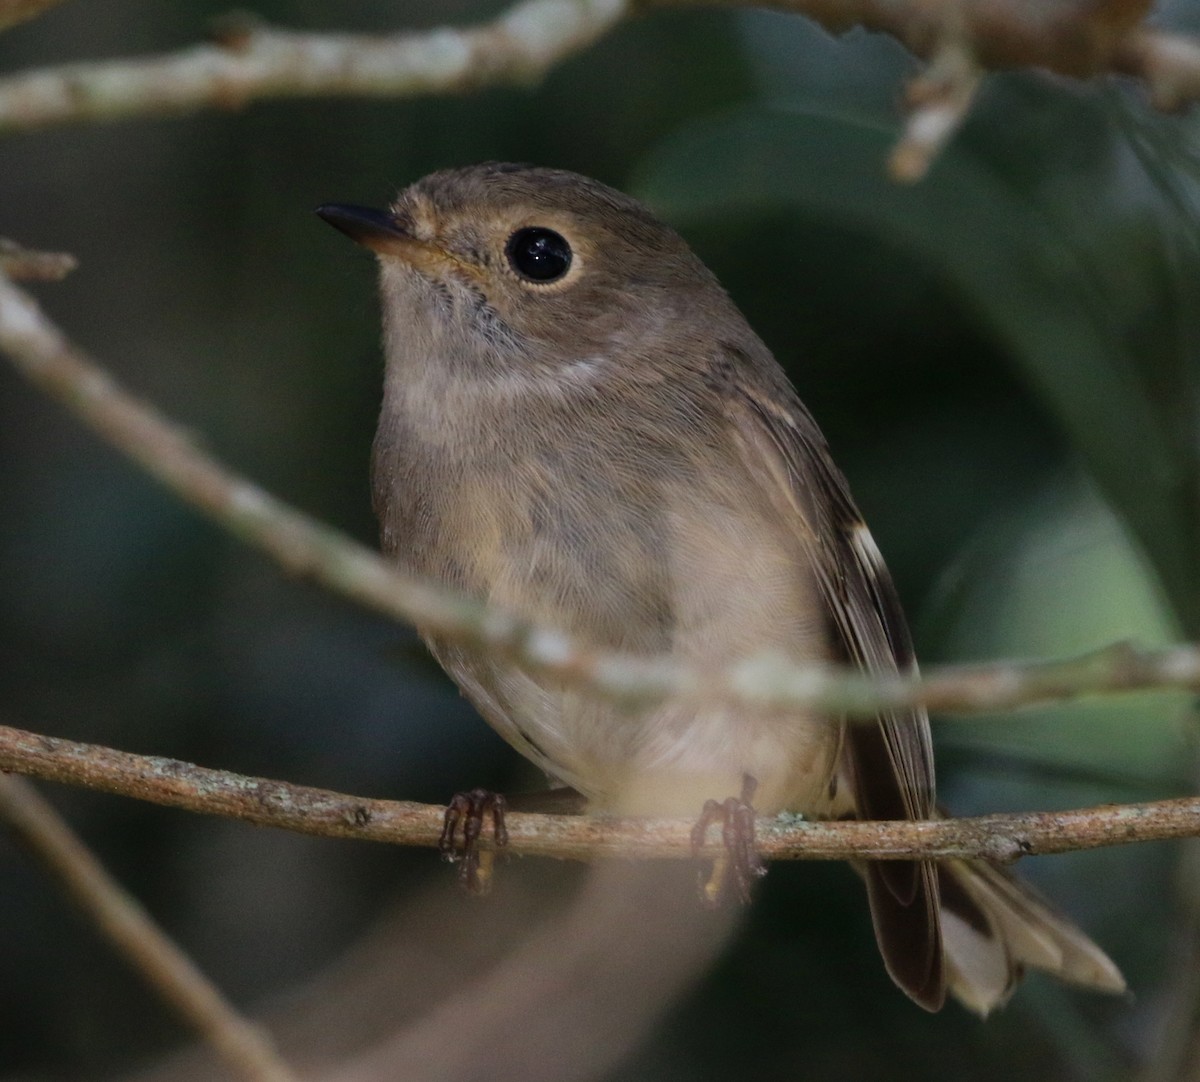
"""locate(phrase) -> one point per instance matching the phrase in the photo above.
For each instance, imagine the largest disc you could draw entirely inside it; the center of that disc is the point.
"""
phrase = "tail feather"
(909, 934)
(994, 927)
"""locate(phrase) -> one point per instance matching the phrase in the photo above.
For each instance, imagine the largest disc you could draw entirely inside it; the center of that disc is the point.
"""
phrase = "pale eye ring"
(538, 254)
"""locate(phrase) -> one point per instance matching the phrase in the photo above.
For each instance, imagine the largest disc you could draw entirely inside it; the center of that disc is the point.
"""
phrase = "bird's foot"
(470, 810)
(739, 865)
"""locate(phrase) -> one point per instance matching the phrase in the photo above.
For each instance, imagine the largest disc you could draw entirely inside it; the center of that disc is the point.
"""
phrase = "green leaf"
(1056, 577)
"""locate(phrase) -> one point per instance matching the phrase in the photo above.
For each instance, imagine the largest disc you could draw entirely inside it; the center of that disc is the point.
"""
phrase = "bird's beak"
(384, 235)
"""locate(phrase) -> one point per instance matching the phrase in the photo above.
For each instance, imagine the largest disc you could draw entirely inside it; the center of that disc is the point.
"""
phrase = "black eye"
(539, 255)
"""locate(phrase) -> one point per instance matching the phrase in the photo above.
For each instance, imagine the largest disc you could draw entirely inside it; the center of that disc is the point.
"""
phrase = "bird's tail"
(995, 926)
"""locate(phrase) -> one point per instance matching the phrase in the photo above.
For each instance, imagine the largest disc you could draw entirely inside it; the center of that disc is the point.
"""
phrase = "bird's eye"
(538, 255)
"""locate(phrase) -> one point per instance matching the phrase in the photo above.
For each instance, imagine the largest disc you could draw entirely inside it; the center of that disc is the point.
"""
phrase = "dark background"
(1004, 360)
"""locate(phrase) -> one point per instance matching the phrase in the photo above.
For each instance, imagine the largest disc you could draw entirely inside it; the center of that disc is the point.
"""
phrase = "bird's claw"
(469, 810)
(738, 865)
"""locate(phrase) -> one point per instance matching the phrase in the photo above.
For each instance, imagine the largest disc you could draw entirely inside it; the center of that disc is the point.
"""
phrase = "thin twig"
(309, 548)
(1076, 38)
(245, 1048)
(24, 265)
(1169, 64)
(938, 101)
(335, 815)
(19, 11)
(251, 62)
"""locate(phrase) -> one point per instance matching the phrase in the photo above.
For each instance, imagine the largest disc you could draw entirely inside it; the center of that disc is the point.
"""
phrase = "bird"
(579, 426)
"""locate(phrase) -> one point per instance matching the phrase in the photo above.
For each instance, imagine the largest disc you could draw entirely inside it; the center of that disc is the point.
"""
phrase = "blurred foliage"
(1004, 360)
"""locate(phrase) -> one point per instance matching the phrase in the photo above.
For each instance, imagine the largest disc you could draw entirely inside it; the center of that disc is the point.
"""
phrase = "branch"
(250, 62)
(24, 265)
(42, 831)
(19, 11)
(962, 39)
(308, 548)
(1076, 38)
(335, 815)
(938, 101)
(1169, 64)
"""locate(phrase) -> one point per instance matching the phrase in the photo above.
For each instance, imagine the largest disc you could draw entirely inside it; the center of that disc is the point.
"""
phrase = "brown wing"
(891, 763)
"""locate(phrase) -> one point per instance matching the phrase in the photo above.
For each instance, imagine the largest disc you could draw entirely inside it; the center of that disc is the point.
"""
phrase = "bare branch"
(1169, 64)
(306, 547)
(938, 100)
(21, 264)
(962, 39)
(19, 11)
(252, 62)
(1077, 38)
(335, 815)
(42, 831)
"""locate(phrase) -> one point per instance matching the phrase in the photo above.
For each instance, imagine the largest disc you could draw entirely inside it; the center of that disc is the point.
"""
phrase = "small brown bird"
(580, 426)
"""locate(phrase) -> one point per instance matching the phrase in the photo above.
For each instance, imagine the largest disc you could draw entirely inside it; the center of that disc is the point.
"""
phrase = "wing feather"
(890, 763)
(863, 608)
